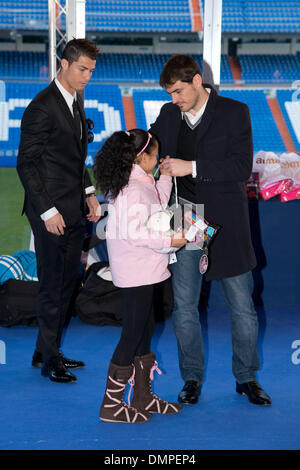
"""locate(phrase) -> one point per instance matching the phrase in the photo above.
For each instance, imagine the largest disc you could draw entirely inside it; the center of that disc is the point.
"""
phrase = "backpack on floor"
(18, 303)
(99, 300)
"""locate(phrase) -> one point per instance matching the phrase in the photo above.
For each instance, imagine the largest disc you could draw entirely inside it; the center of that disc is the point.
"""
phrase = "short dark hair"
(179, 67)
(78, 47)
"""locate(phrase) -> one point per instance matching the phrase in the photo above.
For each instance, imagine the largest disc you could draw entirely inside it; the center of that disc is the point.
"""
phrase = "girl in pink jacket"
(123, 171)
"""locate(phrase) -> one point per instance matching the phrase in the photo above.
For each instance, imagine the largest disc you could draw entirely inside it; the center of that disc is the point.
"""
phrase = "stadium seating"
(265, 133)
(145, 105)
(23, 65)
(24, 14)
(259, 16)
(103, 104)
(139, 15)
(276, 69)
(110, 67)
(289, 101)
(104, 15)
(103, 100)
(263, 68)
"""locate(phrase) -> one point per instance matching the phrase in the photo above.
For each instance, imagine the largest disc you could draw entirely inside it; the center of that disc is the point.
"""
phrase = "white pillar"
(75, 21)
(73, 11)
(212, 42)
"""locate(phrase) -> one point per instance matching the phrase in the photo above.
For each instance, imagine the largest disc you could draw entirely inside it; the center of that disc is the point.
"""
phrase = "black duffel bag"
(99, 301)
(18, 303)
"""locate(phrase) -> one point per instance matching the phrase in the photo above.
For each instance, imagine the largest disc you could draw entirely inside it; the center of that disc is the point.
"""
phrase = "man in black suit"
(209, 140)
(51, 166)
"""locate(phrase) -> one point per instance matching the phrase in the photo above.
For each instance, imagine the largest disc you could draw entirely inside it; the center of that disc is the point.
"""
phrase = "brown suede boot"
(144, 399)
(113, 408)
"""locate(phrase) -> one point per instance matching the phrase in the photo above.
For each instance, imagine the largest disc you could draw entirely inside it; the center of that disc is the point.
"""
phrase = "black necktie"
(77, 118)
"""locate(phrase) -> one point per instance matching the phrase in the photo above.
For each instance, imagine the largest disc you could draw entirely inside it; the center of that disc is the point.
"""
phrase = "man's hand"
(95, 209)
(55, 224)
(176, 167)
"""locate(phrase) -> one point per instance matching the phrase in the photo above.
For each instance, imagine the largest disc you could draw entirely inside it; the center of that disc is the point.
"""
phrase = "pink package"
(270, 189)
(290, 194)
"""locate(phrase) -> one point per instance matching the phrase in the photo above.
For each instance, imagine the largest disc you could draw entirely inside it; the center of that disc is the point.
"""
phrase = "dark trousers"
(58, 259)
(138, 324)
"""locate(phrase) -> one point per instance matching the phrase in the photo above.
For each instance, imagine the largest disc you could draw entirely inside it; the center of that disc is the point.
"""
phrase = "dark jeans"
(138, 324)
(237, 290)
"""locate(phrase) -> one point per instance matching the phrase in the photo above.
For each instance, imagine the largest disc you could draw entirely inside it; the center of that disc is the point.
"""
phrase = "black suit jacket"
(224, 158)
(51, 158)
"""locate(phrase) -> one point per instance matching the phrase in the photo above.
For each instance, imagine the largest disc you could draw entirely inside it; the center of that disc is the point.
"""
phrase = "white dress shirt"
(69, 98)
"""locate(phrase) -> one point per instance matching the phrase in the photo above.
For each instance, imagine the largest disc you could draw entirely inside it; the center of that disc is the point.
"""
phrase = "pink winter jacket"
(133, 261)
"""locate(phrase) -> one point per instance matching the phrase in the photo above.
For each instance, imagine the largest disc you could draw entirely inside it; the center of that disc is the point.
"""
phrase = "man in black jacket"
(209, 140)
(51, 166)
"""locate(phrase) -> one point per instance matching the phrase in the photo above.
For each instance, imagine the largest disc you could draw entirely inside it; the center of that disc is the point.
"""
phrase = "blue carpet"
(40, 415)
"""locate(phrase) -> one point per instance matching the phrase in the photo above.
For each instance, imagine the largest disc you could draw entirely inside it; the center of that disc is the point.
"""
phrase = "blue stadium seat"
(260, 16)
(103, 104)
(265, 133)
(110, 67)
(289, 96)
(269, 68)
(264, 16)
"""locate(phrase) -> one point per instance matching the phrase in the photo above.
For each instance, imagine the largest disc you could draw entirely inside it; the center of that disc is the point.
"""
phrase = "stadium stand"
(103, 104)
(25, 14)
(147, 103)
(260, 16)
(290, 108)
(25, 73)
(269, 68)
(275, 69)
(265, 133)
(104, 15)
(257, 16)
(139, 15)
(110, 67)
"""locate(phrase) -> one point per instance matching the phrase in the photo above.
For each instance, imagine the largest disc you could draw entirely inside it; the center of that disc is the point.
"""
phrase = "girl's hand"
(178, 240)
(162, 168)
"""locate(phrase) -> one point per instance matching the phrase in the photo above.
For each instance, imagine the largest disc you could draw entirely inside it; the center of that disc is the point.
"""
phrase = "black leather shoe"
(56, 371)
(37, 361)
(254, 392)
(70, 363)
(190, 393)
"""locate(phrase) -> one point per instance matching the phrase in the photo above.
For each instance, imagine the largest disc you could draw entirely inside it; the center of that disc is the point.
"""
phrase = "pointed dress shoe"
(37, 361)
(56, 371)
(71, 363)
(190, 393)
(254, 392)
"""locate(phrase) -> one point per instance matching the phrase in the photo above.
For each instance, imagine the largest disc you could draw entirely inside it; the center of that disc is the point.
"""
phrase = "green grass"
(14, 228)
